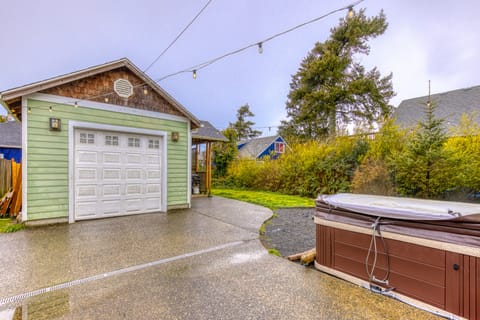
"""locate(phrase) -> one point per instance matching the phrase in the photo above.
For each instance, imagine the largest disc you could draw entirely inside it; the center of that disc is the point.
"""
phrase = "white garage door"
(116, 174)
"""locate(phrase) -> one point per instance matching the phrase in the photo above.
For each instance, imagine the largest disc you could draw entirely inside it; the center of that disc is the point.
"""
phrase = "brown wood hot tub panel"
(420, 272)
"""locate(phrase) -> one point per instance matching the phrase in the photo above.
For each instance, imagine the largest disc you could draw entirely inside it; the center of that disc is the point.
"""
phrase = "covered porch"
(202, 161)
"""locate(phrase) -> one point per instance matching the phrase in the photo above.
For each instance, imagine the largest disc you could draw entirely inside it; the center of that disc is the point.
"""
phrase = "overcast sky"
(436, 40)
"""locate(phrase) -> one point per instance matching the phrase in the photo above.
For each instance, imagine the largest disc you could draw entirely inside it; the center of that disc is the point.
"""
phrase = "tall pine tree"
(331, 88)
(242, 126)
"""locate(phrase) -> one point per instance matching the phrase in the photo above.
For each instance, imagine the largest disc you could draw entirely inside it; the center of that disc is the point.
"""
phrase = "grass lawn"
(8, 225)
(271, 200)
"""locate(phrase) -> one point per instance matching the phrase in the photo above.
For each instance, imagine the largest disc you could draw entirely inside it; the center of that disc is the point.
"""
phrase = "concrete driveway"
(201, 263)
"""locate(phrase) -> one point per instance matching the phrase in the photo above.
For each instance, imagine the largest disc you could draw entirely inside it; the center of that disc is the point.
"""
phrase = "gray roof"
(11, 134)
(252, 148)
(207, 132)
(449, 106)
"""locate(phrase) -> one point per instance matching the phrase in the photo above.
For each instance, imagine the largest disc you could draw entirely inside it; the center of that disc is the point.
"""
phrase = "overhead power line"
(205, 64)
(194, 69)
(178, 36)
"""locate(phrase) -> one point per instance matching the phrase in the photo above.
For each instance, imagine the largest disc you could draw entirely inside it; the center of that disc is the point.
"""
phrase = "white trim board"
(59, 100)
(24, 159)
(72, 125)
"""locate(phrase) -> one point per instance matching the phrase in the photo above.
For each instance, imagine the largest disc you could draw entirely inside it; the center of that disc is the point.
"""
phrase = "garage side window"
(111, 140)
(153, 144)
(134, 142)
(87, 138)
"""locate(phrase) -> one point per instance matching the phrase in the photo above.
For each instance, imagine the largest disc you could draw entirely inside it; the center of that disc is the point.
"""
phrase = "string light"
(257, 44)
(200, 66)
(350, 12)
(260, 48)
(145, 90)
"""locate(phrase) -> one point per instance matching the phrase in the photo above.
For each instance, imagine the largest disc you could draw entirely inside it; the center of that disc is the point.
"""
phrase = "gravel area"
(290, 231)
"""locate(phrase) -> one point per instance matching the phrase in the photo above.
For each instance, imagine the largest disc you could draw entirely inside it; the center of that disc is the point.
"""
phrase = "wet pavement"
(201, 263)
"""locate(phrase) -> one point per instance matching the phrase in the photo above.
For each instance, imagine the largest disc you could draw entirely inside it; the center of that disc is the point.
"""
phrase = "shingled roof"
(254, 147)
(450, 106)
(207, 132)
(11, 134)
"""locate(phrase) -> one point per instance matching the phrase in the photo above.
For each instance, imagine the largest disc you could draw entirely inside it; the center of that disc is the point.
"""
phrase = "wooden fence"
(10, 188)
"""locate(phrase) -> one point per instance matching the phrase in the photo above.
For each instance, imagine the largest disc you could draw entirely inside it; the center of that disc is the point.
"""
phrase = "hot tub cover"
(403, 208)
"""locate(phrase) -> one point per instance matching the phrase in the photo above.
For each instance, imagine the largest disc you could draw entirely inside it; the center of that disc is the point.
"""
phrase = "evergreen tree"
(424, 168)
(331, 88)
(242, 126)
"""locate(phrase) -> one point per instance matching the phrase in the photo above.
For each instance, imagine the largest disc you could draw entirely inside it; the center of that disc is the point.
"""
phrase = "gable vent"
(123, 88)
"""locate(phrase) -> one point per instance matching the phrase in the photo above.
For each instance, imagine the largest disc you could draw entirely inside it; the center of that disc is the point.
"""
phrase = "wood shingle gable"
(97, 84)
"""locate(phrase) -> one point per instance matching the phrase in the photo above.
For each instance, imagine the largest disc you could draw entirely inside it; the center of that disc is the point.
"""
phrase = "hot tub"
(423, 252)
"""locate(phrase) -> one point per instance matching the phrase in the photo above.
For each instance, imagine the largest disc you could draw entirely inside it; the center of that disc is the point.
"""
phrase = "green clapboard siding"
(47, 155)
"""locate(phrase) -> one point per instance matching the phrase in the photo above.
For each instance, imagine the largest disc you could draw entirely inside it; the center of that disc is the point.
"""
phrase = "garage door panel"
(111, 207)
(112, 174)
(153, 188)
(134, 205)
(116, 174)
(134, 189)
(86, 191)
(134, 158)
(87, 157)
(152, 204)
(86, 209)
(134, 173)
(111, 157)
(111, 190)
(153, 174)
(86, 174)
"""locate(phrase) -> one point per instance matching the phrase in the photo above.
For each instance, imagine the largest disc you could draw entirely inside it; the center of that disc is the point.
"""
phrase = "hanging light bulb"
(145, 90)
(260, 48)
(50, 109)
(350, 12)
(106, 99)
(194, 74)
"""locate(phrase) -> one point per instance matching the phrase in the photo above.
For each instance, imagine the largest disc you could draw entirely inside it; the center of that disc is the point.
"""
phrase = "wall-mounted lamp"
(175, 136)
(55, 124)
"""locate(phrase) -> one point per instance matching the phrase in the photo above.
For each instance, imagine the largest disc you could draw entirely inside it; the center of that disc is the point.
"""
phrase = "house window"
(134, 142)
(153, 144)
(111, 140)
(87, 138)
(279, 147)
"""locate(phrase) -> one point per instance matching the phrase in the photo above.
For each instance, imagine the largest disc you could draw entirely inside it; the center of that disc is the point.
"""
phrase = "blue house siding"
(12, 153)
(270, 150)
(260, 147)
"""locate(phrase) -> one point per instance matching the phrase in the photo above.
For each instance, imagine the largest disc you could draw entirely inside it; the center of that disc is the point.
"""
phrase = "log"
(298, 256)
(308, 256)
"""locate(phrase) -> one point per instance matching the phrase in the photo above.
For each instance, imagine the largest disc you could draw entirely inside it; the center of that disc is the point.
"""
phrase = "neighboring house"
(11, 141)
(101, 142)
(259, 148)
(449, 106)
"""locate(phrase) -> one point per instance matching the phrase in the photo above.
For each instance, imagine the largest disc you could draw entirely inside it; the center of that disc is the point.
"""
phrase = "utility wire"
(209, 62)
(178, 36)
(205, 64)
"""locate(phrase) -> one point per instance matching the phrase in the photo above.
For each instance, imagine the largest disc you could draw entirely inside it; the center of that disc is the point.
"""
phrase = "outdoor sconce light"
(55, 124)
(175, 136)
